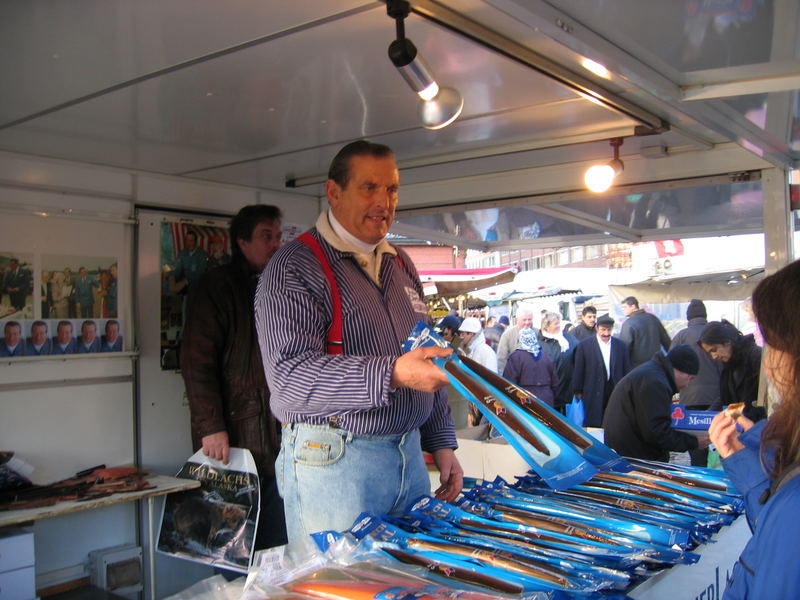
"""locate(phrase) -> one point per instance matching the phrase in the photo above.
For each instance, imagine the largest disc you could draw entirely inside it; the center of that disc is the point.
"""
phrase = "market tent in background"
(454, 282)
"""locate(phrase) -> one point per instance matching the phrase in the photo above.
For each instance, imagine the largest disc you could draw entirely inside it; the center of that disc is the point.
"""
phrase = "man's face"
(13, 264)
(191, 241)
(589, 319)
(682, 379)
(112, 331)
(64, 334)
(264, 241)
(39, 334)
(628, 309)
(466, 337)
(88, 332)
(365, 206)
(604, 333)
(13, 334)
(524, 320)
(82, 273)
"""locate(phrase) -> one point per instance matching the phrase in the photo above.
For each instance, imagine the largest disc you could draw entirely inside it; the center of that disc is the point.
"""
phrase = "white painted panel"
(297, 210)
(175, 193)
(64, 205)
(23, 169)
(63, 430)
(42, 369)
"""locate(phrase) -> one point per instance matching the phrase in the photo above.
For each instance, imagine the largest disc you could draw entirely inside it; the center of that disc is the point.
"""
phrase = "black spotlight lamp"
(440, 105)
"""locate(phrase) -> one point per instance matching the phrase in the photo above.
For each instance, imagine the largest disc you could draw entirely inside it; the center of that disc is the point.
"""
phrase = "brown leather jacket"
(221, 364)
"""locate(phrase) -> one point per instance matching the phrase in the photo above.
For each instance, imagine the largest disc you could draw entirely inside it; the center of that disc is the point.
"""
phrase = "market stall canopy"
(454, 282)
(540, 293)
(728, 285)
(263, 94)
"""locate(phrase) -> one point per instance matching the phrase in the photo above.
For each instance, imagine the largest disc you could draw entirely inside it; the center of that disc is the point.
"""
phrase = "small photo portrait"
(16, 286)
(64, 340)
(12, 343)
(110, 332)
(78, 287)
(39, 341)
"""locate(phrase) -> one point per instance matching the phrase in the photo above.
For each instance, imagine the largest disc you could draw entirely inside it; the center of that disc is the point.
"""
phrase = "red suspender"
(335, 343)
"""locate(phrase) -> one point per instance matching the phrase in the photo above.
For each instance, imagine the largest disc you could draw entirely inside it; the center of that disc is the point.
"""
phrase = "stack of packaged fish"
(596, 539)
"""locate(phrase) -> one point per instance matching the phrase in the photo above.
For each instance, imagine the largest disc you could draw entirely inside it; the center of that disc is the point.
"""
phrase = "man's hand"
(216, 446)
(724, 435)
(416, 370)
(451, 474)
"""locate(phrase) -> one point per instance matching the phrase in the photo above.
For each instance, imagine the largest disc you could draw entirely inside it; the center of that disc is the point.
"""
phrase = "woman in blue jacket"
(764, 460)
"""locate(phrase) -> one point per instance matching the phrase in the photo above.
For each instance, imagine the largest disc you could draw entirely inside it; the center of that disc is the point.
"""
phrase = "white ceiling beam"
(741, 87)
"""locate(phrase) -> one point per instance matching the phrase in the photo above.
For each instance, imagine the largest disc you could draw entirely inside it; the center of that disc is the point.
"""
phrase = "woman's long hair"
(776, 310)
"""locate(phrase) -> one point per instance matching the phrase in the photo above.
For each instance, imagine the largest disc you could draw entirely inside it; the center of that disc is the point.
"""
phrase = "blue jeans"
(328, 476)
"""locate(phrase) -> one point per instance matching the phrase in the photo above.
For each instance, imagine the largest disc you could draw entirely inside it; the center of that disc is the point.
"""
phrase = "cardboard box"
(482, 458)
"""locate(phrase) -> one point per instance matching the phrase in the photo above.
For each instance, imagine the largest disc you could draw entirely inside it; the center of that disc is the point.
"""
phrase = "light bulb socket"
(402, 52)
(414, 70)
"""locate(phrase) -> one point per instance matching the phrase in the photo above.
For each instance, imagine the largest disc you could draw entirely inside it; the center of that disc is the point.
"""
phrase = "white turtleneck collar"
(368, 256)
(348, 238)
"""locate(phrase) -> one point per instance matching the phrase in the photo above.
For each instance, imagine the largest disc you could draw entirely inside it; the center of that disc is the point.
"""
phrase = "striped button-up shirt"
(293, 313)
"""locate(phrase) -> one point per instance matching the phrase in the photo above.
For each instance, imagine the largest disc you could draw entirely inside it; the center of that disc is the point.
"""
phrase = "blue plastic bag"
(576, 412)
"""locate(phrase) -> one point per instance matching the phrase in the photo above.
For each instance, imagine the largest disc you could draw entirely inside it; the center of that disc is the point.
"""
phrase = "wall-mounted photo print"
(187, 251)
(52, 337)
(78, 287)
(16, 285)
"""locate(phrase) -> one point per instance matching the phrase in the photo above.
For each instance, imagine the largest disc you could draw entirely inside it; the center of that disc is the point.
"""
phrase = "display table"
(163, 485)
(707, 578)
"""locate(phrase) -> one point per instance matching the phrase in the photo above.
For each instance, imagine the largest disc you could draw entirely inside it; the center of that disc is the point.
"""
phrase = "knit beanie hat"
(684, 359)
(696, 309)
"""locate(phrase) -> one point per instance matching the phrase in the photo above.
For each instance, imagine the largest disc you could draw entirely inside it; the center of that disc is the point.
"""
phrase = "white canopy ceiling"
(262, 94)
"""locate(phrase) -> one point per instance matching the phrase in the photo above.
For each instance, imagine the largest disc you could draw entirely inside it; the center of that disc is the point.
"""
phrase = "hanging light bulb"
(598, 178)
(440, 105)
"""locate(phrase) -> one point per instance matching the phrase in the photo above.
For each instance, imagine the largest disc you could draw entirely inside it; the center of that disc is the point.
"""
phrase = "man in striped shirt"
(353, 422)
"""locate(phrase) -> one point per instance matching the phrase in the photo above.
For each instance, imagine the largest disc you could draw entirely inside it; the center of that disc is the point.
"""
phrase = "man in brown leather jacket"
(221, 362)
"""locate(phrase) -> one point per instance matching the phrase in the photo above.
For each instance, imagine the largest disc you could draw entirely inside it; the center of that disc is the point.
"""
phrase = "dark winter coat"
(589, 377)
(564, 362)
(645, 335)
(703, 391)
(739, 378)
(221, 364)
(539, 377)
(582, 332)
(637, 422)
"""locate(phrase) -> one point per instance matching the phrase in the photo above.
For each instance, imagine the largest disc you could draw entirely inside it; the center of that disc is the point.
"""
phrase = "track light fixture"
(440, 105)
(598, 178)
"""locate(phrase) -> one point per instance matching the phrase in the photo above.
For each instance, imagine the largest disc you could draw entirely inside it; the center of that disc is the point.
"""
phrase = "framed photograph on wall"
(16, 285)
